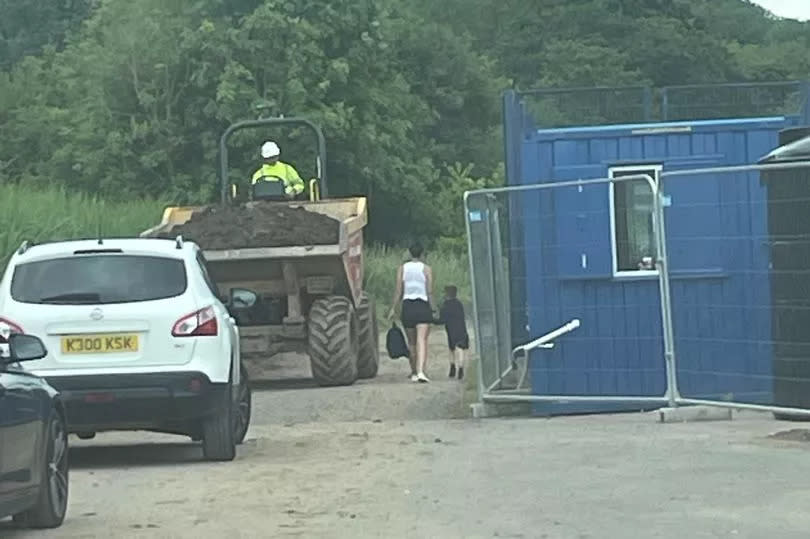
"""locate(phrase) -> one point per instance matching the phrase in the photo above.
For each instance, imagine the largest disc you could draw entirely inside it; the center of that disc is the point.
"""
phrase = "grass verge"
(448, 268)
(55, 214)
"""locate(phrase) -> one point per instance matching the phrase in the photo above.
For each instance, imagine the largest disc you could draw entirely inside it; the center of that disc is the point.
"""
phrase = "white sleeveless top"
(414, 281)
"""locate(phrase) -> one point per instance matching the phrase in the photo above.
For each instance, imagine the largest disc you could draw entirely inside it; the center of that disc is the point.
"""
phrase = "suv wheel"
(241, 420)
(218, 431)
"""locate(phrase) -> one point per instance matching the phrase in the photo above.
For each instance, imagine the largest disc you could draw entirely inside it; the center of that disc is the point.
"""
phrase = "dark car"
(33, 441)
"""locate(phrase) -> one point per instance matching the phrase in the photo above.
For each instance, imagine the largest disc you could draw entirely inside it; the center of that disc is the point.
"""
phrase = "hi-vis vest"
(293, 184)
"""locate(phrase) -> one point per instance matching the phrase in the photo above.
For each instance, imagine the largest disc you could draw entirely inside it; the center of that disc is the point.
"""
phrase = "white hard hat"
(270, 149)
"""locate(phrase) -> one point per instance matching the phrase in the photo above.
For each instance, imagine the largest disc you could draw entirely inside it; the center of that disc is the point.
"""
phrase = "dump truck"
(306, 298)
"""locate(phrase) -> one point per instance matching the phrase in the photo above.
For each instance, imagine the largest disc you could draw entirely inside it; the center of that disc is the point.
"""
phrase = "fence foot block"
(689, 414)
(482, 410)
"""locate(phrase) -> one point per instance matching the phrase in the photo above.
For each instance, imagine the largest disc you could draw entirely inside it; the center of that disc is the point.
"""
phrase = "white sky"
(790, 9)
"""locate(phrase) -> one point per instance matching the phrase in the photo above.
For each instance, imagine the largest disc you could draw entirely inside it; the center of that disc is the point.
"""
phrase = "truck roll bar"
(238, 126)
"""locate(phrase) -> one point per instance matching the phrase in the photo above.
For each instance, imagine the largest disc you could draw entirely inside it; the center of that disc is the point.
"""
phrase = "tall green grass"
(55, 214)
(449, 268)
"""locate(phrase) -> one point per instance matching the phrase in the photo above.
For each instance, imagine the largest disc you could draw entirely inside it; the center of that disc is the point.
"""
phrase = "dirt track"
(373, 460)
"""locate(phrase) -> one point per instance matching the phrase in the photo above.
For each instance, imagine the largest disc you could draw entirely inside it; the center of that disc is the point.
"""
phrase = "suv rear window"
(98, 279)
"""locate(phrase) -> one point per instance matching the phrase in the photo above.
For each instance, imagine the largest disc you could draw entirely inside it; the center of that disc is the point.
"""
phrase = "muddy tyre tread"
(333, 342)
(368, 358)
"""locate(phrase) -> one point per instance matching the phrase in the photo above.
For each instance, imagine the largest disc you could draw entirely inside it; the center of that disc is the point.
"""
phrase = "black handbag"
(395, 343)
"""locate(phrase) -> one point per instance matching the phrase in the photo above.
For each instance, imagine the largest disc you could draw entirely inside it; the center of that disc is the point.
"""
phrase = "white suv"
(138, 338)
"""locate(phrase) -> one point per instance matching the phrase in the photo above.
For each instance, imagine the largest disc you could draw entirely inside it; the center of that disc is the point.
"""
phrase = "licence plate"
(99, 344)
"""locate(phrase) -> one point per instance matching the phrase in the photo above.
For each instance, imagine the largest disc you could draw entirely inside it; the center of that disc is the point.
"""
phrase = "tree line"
(128, 99)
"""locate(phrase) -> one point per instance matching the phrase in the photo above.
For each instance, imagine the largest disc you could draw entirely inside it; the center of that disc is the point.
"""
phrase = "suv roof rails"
(24, 247)
(96, 251)
(178, 242)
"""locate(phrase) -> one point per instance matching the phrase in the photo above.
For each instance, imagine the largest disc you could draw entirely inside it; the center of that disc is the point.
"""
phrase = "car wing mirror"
(241, 299)
(25, 348)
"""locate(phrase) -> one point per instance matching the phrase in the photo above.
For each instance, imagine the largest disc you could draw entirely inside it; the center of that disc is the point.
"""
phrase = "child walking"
(452, 316)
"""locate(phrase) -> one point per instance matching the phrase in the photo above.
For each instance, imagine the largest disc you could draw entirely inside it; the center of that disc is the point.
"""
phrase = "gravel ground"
(382, 459)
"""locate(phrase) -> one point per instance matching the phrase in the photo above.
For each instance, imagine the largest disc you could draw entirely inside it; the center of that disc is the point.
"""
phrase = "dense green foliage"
(128, 99)
(26, 26)
(54, 214)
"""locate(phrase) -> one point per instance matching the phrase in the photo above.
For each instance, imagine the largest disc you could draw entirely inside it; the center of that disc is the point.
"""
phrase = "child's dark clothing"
(452, 316)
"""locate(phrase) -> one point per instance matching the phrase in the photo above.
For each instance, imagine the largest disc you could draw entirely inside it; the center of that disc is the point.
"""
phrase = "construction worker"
(274, 170)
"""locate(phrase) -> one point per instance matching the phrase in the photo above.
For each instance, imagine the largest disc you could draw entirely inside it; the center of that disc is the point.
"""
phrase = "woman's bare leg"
(422, 334)
(413, 350)
(460, 356)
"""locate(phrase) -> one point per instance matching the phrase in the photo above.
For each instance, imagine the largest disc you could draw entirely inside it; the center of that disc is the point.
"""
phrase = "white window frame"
(657, 169)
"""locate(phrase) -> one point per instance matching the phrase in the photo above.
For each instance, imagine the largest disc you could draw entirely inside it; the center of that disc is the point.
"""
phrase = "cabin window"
(631, 212)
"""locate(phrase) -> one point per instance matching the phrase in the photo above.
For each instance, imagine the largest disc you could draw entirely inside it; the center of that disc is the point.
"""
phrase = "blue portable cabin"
(578, 261)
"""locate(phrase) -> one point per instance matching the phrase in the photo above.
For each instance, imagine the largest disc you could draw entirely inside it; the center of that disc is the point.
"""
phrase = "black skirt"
(458, 339)
(415, 312)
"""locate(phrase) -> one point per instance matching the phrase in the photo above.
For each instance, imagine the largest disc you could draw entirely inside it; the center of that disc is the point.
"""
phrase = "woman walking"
(413, 289)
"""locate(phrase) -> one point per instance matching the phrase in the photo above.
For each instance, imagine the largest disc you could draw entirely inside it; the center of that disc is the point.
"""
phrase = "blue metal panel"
(718, 269)
(611, 353)
(679, 146)
(631, 149)
(583, 224)
(654, 147)
(614, 353)
(723, 323)
(695, 240)
(512, 135)
(719, 273)
(636, 130)
(604, 150)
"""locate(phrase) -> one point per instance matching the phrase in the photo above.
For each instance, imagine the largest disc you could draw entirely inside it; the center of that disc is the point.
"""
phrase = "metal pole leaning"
(546, 341)
(662, 265)
(492, 292)
(473, 283)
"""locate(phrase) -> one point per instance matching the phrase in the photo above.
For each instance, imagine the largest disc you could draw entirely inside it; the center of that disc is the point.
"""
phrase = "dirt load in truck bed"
(257, 224)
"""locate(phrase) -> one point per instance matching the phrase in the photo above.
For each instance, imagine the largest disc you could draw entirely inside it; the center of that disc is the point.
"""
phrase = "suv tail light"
(7, 327)
(196, 324)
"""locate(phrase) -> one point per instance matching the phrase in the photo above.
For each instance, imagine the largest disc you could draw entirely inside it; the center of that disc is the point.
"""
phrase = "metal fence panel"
(560, 236)
(489, 273)
(740, 280)
(735, 100)
(720, 318)
(565, 107)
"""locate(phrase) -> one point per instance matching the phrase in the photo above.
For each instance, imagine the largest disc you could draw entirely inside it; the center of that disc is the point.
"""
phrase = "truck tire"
(333, 341)
(218, 442)
(368, 359)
